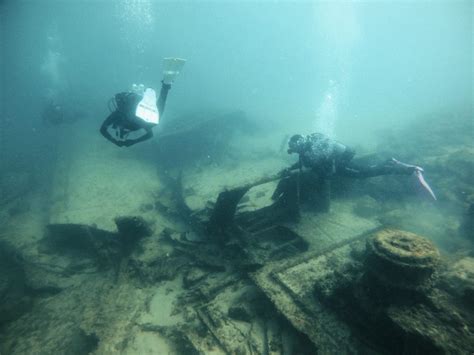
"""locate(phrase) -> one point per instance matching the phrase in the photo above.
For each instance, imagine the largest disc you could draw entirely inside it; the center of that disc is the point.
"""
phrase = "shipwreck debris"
(222, 216)
(202, 135)
(401, 259)
(77, 239)
(328, 296)
(132, 228)
(14, 298)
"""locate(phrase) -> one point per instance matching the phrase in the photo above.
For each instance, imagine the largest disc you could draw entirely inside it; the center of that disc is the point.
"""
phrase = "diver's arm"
(295, 166)
(287, 171)
(106, 124)
(146, 136)
(162, 99)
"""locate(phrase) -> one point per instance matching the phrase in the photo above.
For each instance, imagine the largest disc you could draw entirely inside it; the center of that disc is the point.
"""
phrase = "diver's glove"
(127, 143)
(284, 173)
(123, 143)
(171, 69)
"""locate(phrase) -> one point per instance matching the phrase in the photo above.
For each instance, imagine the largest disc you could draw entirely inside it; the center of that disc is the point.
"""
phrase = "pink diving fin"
(421, 179)
(419, 174)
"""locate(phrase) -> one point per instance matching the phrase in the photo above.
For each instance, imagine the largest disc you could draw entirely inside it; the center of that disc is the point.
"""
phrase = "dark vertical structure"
(3, 19)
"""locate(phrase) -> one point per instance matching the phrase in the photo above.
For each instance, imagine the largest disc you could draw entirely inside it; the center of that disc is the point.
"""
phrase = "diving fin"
(418, 172)
(146, 108)
(171, 68)
(421, 179)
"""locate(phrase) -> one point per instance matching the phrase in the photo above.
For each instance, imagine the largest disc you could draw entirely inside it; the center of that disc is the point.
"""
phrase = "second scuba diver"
(326, 158)
(139, 109)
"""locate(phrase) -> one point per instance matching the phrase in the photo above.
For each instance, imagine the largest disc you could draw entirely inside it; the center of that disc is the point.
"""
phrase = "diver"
(327, 158)
(55, 114)
(139, 109)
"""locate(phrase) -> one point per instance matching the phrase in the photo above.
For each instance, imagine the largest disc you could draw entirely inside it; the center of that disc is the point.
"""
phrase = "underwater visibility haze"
(298, 180)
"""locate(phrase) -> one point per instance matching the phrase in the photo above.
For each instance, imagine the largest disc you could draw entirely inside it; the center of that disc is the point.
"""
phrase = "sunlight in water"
(136, 17)
(339, 24)
(326, 114)
(52, 63)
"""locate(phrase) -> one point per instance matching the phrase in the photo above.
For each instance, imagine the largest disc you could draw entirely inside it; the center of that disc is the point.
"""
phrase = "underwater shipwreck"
(235, 271)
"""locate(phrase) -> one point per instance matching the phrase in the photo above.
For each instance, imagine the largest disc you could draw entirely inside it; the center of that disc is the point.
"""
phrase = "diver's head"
(296, 144)
(138, 89)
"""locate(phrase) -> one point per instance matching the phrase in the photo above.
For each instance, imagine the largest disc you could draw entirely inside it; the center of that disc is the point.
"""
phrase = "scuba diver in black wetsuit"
(123, 119)
(55, 114)
(139, 109)
(327, 158)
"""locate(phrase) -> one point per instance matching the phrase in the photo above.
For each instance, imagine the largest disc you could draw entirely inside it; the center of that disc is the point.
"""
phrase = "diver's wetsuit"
(124, 121)
(326, 158)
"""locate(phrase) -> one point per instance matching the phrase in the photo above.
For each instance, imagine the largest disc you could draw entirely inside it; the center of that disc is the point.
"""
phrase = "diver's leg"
(389, 167)
(162, 99)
